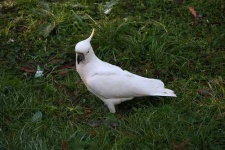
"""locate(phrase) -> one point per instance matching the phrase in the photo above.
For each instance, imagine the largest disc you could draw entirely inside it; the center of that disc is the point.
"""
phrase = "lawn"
(180, 42)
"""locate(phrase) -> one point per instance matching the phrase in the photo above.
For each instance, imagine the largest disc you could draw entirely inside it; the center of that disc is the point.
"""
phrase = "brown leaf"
(87, 112)
(195, 16)
(27, 69)
(193, 11)
(70, 65)
(205, 92)
(182, 145)
(63, 72)
(67, 65)
(64, 145)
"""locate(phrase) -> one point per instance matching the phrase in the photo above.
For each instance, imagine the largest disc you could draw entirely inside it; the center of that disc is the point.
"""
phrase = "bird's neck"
(92, 59)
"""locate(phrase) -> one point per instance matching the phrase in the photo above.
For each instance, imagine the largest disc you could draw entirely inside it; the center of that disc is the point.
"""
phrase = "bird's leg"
(111, 106)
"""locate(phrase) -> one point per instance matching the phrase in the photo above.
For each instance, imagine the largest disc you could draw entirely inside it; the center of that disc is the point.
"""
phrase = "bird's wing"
(113, 82)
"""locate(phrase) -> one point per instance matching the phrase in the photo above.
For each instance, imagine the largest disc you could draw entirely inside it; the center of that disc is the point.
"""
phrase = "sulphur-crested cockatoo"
(110, 83)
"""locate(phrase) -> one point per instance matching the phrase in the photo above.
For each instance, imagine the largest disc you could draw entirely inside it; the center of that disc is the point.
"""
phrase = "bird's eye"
(87, 52)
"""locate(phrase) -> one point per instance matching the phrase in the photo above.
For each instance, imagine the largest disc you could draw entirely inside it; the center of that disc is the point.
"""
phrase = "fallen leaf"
(63, 72)
(205, 92)
(87, 112)
(64, 145)
(37, 116)
(193, 11)
(47, 28)
(195, 16)
(182, 145)
(28, 70)
(108, 6)
(107, 11)
(39, 72)
(69, 65)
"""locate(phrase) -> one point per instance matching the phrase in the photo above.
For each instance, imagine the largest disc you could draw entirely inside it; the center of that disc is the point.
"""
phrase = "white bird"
(110, 83)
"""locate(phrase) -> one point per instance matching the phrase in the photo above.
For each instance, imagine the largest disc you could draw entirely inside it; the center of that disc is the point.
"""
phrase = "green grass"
(150, 38)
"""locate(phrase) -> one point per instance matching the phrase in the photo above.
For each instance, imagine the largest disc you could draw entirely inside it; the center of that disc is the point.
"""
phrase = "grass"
(153, 39)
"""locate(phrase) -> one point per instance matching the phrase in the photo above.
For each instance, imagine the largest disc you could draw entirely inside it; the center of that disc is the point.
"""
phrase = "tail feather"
(169, 92)
(151, 87)
(164, 92)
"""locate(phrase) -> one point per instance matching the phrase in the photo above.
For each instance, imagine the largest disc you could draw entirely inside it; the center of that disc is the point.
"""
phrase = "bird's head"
(83, 49)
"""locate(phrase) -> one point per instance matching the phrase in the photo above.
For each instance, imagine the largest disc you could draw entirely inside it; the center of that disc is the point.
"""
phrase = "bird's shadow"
(139, 103)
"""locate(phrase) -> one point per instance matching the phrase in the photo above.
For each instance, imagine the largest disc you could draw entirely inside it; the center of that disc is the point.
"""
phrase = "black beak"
(80, 57)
